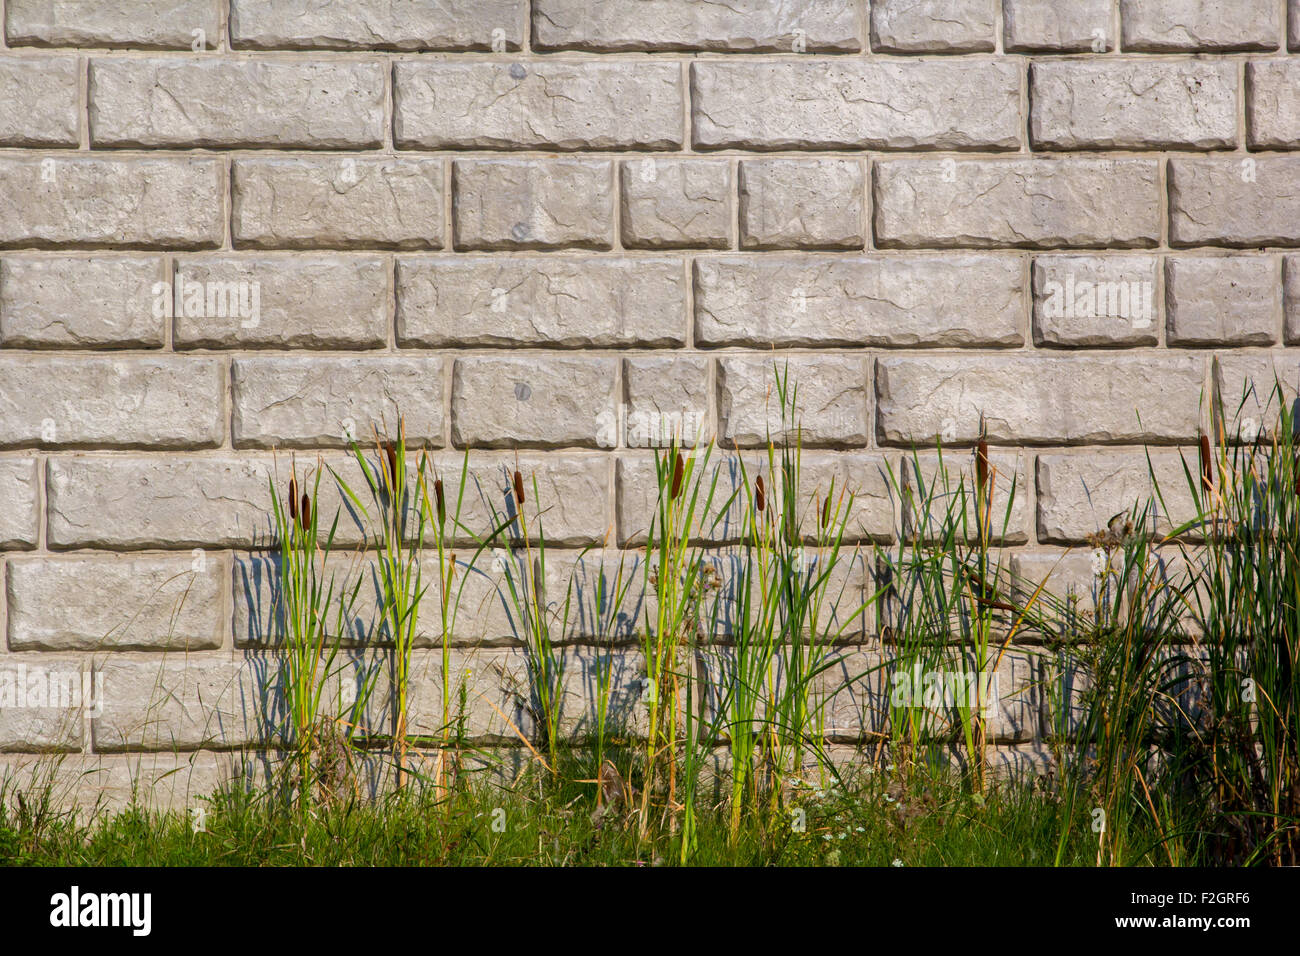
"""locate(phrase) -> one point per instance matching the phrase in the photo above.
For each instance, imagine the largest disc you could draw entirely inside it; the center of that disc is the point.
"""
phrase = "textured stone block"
(187, 102)
(932, 26)
(1222, 301)
(514, 402)
(142, 24)
(1211, 25)
(533, 204)
(875, 301)
(296, 402)
(338, 203)
(606, 591)
(1231, 201)
(92, 785)
(1095, 301)
(134, 502)
(478, 600)
(861, 103)
(864, 475)
(117, 602)
(666, 400)
(191, 703)
(378, 25)
(741, 26)
(942, 488)
(45, 701)
(720, 517)
(1038, 399)
(60, 401)
(65, 302)
(20, 494)
(303, 302)
(833, 400)
(554, 302)
(39, 101)
(801, 204)
(1051, 26)
(1017, 203)
(1273, 110)
(537, 105)
(1291, 297)
(567, 495)
(168, 203)
(499, 704)
(669, 204)
(1248, 383)
(1133, 104)
(1079, 493)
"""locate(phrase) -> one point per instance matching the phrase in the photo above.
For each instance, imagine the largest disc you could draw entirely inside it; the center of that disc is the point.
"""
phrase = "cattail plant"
(442, 529)
(608, 598)
(947, 594)
(1243, 751)
(675, 578)
(311, 614)
(1118, 679)
(787, 621)
(523, 573)
(397, 537)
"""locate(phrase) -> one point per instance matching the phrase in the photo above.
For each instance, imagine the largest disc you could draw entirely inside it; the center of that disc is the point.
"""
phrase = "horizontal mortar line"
(757, 351)
(574, 54)
(876, 154)
(93, 249)
(814, 256)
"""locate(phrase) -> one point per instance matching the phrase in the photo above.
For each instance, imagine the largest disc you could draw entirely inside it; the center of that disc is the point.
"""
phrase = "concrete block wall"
(550, 231)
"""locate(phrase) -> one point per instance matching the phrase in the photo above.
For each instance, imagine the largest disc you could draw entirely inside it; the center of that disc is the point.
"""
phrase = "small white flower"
(888, 798)
(1098, 563)
(897, 863)
(862, 829)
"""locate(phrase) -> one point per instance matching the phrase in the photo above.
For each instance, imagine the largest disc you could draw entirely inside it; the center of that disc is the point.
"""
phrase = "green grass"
(869, 821)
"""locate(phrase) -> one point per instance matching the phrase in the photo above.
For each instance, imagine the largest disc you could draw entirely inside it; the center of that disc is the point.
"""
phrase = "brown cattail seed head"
(437, 494)
(760, 497)
(982, 464)
(293, 499)
(390, 450)
(679, 471)
(826, 512)
(519, 488)
(305, 512)
(1207, 466)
